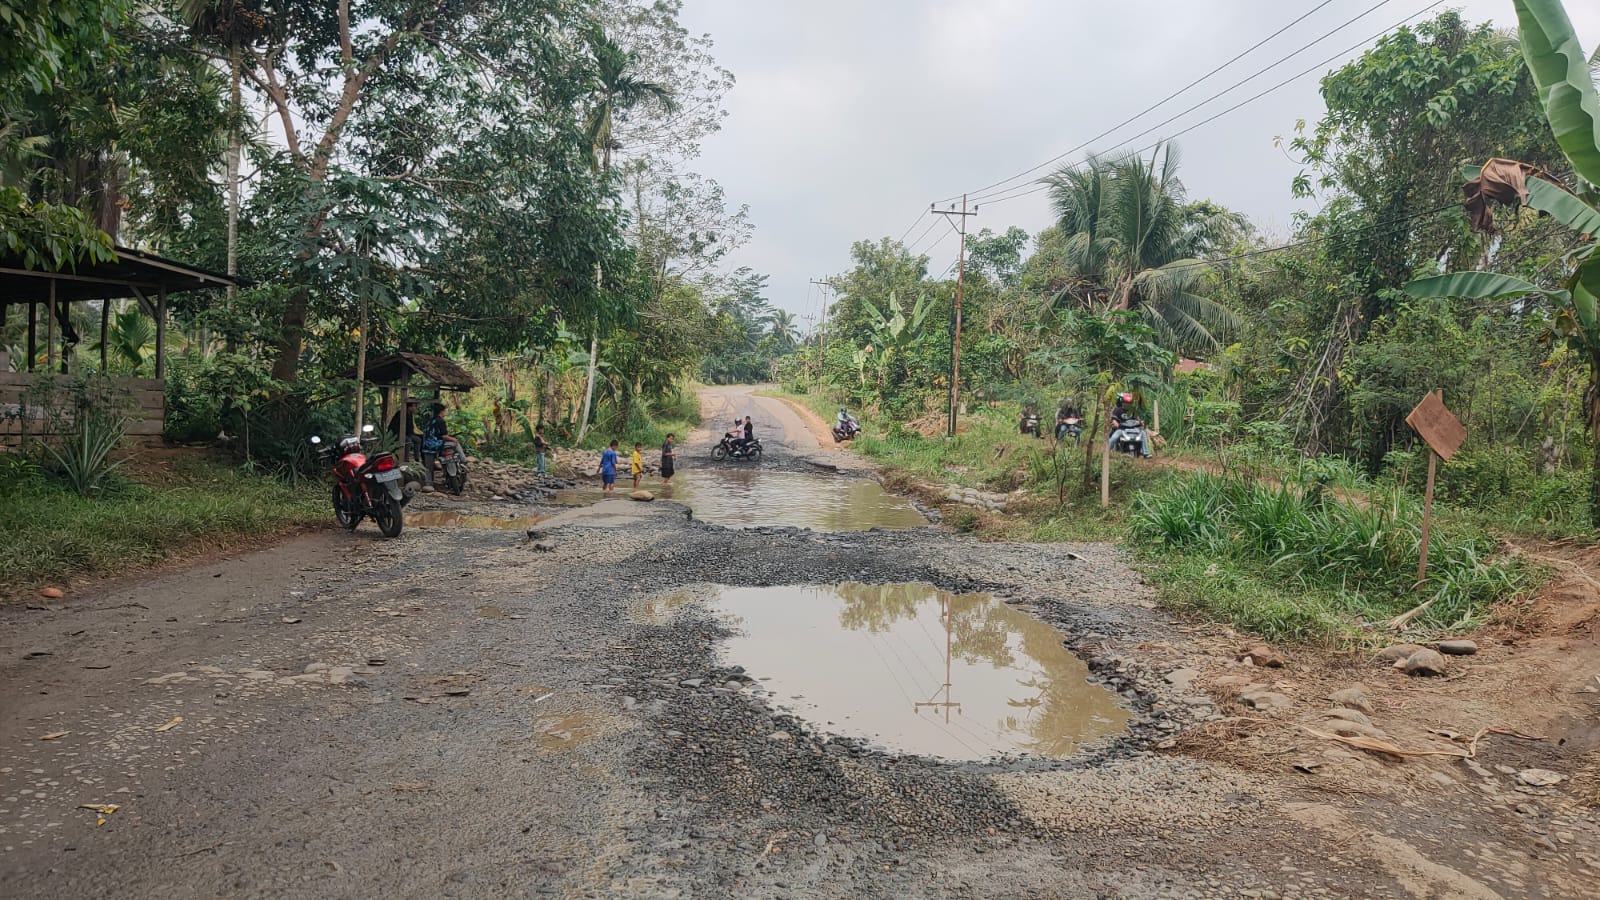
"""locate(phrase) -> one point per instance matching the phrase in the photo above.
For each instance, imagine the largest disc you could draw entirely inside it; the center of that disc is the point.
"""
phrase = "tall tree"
(617, 91)
(1131, 239)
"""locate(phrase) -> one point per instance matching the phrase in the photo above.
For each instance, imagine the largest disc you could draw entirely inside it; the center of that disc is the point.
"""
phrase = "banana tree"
(1571, 105)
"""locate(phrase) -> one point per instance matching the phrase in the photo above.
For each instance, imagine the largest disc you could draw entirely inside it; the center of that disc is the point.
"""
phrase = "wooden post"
(361, 365)
(161, 334)
(405, 399)
(105, 325)
(50, 330)
(1155, 415)
(33, 333)
(1105, 471)
(1427, 520)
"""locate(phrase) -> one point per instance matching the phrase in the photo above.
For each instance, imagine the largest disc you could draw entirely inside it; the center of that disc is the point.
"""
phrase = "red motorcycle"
(364, 485)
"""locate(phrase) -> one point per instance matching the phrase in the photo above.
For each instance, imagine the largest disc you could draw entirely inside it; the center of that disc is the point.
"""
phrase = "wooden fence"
(146, 400)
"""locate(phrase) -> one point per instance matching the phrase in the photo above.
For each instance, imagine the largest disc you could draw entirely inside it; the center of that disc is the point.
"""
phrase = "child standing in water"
(669, 459)
(636, 464)
(608, 467)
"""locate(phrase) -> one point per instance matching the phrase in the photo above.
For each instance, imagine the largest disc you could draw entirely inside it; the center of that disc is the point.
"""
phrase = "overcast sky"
(850, 116)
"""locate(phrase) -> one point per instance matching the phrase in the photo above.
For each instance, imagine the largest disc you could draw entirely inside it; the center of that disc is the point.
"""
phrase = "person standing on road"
(608, 467)
(636, 464)
(669, 459)
(540, 448)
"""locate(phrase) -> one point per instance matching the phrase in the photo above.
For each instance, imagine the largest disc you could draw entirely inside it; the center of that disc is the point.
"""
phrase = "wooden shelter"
(403, 371)
(45, 297)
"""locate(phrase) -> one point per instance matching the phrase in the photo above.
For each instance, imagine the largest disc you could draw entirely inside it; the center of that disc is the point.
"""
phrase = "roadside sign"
(1437, 425)
(1443, 433)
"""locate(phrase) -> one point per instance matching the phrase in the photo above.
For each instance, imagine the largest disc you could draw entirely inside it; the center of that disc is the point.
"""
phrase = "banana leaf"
(1566, 88)
(1478, 286)
(1554, 200)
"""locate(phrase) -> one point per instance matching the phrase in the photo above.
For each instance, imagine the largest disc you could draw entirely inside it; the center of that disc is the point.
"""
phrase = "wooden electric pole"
(961, 271)
(822, 326)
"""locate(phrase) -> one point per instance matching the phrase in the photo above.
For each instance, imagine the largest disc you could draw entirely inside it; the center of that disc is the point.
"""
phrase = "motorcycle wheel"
(753, 454)
(837, 437)
(719, 453)
(388, 516)
(342, 513)
(457, 482)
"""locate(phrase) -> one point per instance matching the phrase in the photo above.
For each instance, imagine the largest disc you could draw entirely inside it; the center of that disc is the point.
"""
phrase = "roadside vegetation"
(1278, 370)
(51, 532)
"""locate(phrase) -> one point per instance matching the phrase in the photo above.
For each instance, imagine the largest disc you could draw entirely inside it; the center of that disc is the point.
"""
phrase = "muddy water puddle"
(748, 497)
(447, 518)
(914, 669)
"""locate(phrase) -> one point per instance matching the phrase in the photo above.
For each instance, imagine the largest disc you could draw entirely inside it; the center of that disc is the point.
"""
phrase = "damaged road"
(468, 712)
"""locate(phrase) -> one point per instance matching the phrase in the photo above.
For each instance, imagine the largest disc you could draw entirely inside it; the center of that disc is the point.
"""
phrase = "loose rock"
(1348, 715)
(1353, 697)
(1262, 655)
(1423, 662)
(1266, 701)
(1396, 653)
(1540, 777)
(52, 593)
(644, 496)
(1458, 648)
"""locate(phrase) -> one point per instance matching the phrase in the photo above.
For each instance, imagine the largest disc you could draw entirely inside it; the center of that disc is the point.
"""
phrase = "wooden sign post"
(1443, 433)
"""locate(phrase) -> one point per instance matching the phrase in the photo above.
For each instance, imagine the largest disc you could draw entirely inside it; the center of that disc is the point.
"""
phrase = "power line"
(1251, 99)
(913, 224)
(1159, 103)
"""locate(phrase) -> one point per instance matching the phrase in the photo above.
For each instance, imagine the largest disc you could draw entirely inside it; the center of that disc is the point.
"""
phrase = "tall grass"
(1311, 565)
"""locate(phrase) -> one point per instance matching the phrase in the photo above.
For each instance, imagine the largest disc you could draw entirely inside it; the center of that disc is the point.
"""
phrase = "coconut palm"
(618, 89)
(782, 328)
(1133, 242)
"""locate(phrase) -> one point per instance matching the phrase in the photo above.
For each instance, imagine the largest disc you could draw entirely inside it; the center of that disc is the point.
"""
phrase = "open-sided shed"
(404, 371)
(45, 297)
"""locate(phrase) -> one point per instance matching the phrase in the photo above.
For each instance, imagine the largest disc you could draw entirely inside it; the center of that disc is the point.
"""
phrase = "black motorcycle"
(727, 449)
(1029, 424)
(1129, 437)
(846, 432)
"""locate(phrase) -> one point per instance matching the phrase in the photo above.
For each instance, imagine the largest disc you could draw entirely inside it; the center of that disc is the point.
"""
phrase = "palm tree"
(1132, 242)
(783, 329)
(618, 89)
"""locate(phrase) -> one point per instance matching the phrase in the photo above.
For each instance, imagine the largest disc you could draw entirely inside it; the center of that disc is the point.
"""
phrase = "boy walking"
(636, 464)
(608, 467)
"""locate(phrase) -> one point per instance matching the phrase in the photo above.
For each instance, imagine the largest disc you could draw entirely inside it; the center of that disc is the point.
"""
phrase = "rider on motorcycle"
(435, 438)
(1120, 412)
(846, 423)
(1067, 410)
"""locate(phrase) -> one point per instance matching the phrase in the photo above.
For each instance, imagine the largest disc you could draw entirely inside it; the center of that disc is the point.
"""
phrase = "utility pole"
(822, 325)
(961, 271)
(946, 704)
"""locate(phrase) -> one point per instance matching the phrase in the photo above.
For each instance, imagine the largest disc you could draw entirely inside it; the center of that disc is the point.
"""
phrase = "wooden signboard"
(1438, 426)
(1443, 433)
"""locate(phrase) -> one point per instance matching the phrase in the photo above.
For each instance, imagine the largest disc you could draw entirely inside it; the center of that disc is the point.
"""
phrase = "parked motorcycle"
(1070, 427)
(846, 432)
(364, 485)
(1029, 424)
(1130, 437)
(727, 449)
(454, 466)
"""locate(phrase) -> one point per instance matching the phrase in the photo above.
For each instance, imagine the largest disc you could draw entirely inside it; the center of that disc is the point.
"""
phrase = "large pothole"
(736, 496)
(913, 669)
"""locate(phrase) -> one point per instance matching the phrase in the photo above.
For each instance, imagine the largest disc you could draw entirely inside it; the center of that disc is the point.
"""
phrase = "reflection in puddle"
(562, 731)
(747, 497)
(452, 519)
(919, 670)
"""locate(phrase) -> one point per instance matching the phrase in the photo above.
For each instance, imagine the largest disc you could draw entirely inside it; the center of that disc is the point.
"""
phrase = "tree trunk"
(361, 365)
(235, 110)
(1105, 474)
(588, 390)
(1594, 439)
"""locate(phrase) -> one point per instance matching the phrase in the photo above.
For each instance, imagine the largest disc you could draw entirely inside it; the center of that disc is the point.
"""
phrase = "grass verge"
(52, 534)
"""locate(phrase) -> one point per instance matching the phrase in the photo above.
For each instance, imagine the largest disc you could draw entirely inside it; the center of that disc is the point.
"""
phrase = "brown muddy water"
(914, 669)
(747, 497)
(424, 518)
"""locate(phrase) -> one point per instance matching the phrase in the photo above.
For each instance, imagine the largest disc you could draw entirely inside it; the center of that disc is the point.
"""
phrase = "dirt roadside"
(460, 713)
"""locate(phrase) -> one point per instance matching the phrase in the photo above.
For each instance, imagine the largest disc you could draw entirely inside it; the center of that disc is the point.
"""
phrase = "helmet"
(1125, 398)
